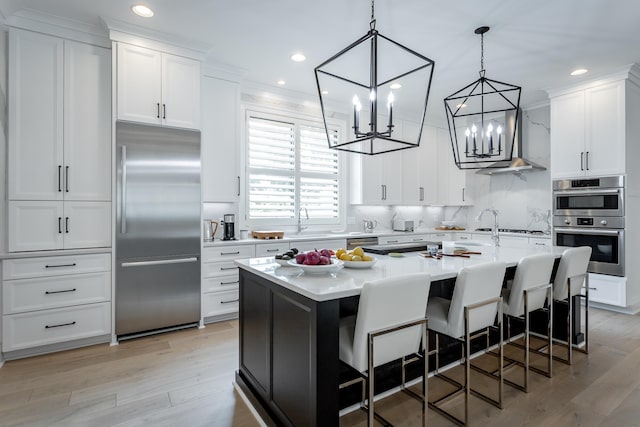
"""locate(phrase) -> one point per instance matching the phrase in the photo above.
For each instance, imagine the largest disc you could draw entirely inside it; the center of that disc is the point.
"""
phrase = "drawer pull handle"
(593, 289)
(230, 301)
(230, 253)
(228, 268)
(59, 292)
(60, 325)
(60, 265)
(392, 241)
(273, 250)
(417, 240)
(540, 244)
(229, 283)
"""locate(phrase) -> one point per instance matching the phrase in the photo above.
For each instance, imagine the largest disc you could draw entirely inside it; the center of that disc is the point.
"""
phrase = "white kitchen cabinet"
(59, 109)
(604, 289)
(588, 131)
(538, 241)
(53, 300)
(408, 238)
(157, 88)
(44, 225)
(451, 181)
(220, 279)
(419, 167)
(87, 122)
(220, 109)
(272, 249)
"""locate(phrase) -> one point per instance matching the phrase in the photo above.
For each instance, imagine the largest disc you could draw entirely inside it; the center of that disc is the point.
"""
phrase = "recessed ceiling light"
(281, 82)
(325, 92)
(142, 10)
(298, 57)
(395, 86)
(579, 72)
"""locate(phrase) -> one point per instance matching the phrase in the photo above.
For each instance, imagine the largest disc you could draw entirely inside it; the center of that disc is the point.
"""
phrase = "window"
(291, 171)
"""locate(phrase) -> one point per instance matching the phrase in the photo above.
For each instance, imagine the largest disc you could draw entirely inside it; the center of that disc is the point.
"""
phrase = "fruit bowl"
(335, 265)
(360, 264)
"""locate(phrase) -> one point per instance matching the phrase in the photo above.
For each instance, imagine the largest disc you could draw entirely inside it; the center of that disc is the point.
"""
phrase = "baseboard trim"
(632, 309)
(52, 348)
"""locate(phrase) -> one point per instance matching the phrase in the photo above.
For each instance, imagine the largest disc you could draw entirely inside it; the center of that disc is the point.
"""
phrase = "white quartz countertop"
(348, 282)
(292, 237)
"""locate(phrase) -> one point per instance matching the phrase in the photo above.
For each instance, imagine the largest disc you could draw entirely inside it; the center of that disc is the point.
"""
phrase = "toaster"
(402, 225)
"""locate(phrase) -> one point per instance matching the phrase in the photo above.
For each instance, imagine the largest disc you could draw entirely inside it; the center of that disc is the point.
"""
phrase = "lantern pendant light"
(481, 135)
(382, 81)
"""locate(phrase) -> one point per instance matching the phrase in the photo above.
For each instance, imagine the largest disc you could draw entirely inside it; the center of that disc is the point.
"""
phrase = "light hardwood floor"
(185, 379)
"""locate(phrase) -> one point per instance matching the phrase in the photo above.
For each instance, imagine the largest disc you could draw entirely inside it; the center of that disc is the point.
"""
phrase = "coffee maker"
(228, 227)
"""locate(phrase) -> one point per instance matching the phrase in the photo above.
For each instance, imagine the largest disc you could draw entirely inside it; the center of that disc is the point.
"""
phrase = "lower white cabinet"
(272, 249)
(47, 225)
(221, 279)
(606, 289)
(51, 300)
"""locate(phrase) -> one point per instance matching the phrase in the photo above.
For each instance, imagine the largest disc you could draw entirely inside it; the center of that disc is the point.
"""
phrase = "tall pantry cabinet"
(59, 153)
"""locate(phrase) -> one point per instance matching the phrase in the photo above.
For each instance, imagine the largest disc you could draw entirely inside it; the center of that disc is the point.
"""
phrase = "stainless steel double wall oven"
(591, 212)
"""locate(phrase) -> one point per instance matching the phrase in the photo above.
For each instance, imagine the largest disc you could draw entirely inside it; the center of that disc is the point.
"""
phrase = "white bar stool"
(391, 315)
(472, 310)
(530, 289)
(570, 278)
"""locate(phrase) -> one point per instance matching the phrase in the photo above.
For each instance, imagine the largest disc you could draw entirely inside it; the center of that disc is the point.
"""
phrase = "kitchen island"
(289, 364)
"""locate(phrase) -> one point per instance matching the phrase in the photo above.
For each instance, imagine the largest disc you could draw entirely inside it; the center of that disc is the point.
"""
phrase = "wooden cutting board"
(267, 234)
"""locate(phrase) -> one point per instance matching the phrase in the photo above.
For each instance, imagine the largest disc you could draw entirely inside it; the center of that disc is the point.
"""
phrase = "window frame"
(298, 119)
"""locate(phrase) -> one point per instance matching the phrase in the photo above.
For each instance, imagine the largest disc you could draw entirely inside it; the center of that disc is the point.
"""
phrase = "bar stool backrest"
(385, 303)
(574, 262)
(532, 271)
(475, 284)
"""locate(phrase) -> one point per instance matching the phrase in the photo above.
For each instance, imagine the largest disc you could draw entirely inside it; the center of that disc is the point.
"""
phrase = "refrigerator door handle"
(159, 262)
(124, 190)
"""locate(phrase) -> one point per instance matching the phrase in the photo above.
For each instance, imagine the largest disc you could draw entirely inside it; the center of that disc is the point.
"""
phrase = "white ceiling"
(532, 43)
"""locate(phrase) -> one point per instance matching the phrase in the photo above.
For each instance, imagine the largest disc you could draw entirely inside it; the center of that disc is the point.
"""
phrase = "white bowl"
(335, 265)
(283, 262)
(449, 224)
(360, 264)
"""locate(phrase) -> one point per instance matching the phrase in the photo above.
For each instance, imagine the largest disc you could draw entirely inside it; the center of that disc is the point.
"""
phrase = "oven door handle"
(588, 231)
(586, 192)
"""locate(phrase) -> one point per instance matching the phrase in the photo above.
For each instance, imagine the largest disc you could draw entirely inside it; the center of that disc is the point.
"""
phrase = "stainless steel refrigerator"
(158, 228)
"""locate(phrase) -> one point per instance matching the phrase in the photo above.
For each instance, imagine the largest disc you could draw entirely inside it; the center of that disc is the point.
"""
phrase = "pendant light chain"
(482, 52)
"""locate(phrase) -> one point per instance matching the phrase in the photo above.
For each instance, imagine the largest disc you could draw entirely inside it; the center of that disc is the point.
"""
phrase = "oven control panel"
(588, 222)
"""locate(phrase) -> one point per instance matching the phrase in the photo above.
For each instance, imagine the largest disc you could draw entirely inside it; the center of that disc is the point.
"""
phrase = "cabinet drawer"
(271, 249)
(54, 266)
(226, 268)
(52, 292)
(217, 303)
(439, 237)
(319, 244)
(391, 240)
(37, 328)
(463, 236)
(608, 289)
(227, 252)
(220, 283)
(539, 242)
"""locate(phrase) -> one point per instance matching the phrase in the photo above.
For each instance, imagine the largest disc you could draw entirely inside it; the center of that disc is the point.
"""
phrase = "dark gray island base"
(289, 360)
(289, 353)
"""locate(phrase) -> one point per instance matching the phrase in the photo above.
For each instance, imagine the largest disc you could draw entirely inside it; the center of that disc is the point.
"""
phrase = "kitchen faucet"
(494, 231)
(300, 227)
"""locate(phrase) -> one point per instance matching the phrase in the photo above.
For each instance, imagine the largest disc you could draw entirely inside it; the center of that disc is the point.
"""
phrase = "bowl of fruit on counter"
(355, 258)
(316, 262)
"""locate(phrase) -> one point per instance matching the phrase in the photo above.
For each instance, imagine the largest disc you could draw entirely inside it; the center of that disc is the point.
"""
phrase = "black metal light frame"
(455, 105)
(358, 144)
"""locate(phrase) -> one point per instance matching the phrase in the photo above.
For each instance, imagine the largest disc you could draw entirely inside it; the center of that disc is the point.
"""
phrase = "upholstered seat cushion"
(437, 312)
(345, 337)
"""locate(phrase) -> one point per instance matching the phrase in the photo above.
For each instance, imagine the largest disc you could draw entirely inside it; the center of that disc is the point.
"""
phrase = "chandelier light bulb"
(499, 130)
(490, 128)
(356, 103)
(390, 99)
(474, 129)
(467, 133)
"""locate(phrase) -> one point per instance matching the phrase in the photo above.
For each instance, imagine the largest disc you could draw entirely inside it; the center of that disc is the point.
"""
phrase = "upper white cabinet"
(451, 181)
(419, 167)
(157, 88)
(59, 149)
(588, 131)
(220, 109)
(59, 119)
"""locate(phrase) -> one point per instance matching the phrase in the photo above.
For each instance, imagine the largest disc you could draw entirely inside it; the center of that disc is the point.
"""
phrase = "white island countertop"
(348, 282)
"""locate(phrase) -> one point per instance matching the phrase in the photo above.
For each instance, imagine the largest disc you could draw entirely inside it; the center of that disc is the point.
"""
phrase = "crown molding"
(127, 33)
(224, 71)
(32, 20)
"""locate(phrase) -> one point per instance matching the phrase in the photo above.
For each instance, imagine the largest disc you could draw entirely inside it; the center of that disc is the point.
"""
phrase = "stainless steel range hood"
(517, 164)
